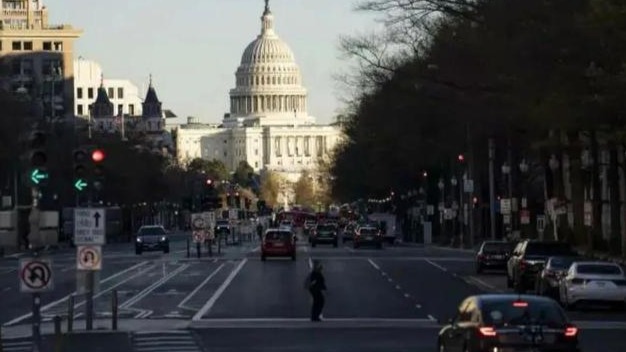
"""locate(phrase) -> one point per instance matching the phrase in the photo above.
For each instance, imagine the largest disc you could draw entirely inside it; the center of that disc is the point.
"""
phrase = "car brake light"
(520, 304)
(481, 256)
(487, 331)
(571, 331)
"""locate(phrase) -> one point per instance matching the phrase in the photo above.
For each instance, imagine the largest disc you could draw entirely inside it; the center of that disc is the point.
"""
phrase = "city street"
(389, 299)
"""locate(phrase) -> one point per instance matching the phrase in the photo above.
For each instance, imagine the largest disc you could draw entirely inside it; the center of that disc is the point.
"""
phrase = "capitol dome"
(268, 80)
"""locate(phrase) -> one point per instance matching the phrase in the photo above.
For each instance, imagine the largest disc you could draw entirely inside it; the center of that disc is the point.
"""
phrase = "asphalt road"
(389, 299)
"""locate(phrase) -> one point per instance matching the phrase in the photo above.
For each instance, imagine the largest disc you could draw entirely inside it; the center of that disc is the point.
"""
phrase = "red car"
(278, 243)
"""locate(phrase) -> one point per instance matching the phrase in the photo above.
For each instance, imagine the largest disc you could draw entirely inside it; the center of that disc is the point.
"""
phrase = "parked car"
(348, 233)
(508, 322)
(590, 282)
(548, 280)
(493, 255)
(528, 259)
(152, 238)
(278, 243)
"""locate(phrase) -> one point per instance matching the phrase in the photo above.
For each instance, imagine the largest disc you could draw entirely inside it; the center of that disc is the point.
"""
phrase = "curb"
(462, 250)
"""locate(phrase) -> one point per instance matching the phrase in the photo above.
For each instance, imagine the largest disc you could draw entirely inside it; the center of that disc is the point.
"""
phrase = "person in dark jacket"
(316, 286)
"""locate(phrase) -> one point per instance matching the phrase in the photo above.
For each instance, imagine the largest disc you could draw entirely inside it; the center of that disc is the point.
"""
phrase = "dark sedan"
(152, 238)
(493, 255)
(507, 323)
(548, 280)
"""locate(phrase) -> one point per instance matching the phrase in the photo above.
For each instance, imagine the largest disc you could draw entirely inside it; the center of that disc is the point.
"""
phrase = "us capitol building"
(268, 125)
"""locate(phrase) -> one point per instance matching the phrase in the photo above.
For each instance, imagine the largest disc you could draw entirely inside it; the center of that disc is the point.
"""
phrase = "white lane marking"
(389, 279)
(431, 318)
(63, 299)
(483, 283)
(305, 249)
(211, 302)
(373, 264)
(310, 263)
(383, 273)
(145, 292)
(406, 295)
(398, 287)
(198, 288)
(8, 271)
(435, 265)
(349, 249)
(6, 289)
(269, 320)
(418, 306)
(255, 249)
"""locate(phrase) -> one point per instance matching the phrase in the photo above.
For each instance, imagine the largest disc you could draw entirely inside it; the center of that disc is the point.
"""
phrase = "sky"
(192, 48)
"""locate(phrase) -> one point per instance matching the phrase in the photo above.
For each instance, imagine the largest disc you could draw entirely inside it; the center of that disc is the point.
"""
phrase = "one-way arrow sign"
(96, 217)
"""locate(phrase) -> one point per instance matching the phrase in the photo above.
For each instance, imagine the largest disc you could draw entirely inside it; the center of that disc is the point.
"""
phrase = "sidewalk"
(100, 326)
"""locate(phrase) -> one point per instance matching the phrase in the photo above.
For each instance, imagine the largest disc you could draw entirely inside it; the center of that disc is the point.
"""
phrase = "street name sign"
(89, 226)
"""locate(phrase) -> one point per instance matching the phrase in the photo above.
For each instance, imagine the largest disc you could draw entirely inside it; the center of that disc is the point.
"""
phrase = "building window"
(120, 109)
(17, 45)
(79, 109)
(256, 164)
(58, 46)
(89, 93)
(111, 93)
(79, 93)
(131, 110)
(120, 93)
(47, 46)
(28, 45)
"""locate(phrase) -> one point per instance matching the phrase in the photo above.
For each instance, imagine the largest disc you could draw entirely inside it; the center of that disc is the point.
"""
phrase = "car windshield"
(151, 231)
(326, 228)
(496, 247)
(548, 248)
(599, 269)
(277, 236)
(222, 222)
(561, 263)
(510, 312)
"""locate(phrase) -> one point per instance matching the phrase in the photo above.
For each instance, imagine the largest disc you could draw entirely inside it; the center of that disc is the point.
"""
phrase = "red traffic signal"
(97, 155)
(209, 182)
(461, 157)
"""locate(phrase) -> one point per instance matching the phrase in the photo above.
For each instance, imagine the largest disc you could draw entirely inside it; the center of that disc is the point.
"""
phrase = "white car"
(593, 282)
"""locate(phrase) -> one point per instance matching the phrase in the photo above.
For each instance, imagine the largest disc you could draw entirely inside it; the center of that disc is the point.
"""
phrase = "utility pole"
(470, 191)
(492, 190)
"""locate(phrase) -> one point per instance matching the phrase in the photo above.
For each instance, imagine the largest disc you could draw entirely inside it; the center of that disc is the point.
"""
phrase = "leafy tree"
(243, 174)
(270, 188)
(304, 191)
(214, 169)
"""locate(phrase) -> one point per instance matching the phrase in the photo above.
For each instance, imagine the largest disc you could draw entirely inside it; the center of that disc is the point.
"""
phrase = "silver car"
(593, 282)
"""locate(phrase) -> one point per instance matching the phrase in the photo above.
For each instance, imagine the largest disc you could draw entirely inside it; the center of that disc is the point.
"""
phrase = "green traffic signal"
(38, 176)
(80, 185)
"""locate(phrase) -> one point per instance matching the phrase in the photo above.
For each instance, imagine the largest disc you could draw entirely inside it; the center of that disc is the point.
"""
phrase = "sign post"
(89, 235)
(36, 277)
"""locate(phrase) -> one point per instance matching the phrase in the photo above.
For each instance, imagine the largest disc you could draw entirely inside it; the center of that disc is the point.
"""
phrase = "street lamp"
(506, 169)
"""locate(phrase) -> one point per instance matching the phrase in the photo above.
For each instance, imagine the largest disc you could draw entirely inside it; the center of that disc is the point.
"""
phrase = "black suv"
(528, 259)
(152, 238)
(493, 255)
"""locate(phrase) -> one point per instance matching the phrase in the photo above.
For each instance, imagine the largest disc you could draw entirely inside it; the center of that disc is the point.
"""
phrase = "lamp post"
(586, 166)
(553, 164)
(454, 183)
(442, 204)
(508, 221)
(523, 168)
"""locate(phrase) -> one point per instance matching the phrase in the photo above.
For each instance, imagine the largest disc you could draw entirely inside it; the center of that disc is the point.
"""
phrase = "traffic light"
(97, 157)
(461, 158)
(80, 170)
(38, 173)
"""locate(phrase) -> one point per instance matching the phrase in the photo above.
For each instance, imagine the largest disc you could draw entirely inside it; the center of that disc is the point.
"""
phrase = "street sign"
(541, 223)
(198, 221)
(35, 275)
(209, 218)
(80, 184)
(89, 258)
(505, 206)
(89, 226)
(38, 175)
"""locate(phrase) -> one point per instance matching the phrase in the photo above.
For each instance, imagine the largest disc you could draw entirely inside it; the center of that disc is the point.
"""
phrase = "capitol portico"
(268, 124)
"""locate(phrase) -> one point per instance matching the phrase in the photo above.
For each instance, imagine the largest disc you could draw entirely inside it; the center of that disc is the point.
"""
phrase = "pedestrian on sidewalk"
(259, 231)
(316, 284)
